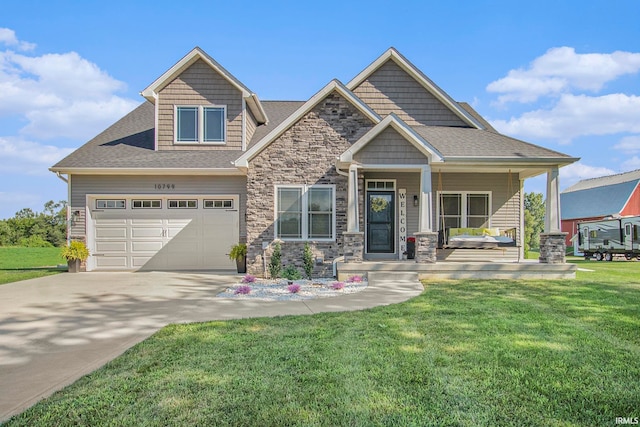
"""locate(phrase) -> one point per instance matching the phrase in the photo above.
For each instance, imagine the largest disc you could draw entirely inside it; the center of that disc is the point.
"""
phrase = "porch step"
(395, 276)
(505, 254)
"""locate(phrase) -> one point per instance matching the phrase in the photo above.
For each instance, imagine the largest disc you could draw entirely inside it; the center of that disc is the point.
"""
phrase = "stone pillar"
(426, 245)
(553, 248)
(352, 201)
(552, 217)
(353, 246)
(426, 208)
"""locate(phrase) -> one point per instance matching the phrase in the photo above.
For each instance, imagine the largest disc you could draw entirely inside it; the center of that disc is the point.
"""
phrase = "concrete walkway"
(55, 329)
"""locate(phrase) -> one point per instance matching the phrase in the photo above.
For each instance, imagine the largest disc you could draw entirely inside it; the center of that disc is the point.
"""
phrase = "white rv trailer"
(605, 238)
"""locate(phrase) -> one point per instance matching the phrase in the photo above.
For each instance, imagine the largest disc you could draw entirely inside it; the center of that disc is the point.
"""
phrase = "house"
(597, 198)
(354, 171)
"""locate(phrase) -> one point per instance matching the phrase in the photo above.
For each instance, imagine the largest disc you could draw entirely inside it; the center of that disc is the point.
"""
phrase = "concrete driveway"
(55, 329)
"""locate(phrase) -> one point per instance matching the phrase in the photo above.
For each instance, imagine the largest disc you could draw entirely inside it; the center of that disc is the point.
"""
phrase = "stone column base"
(426, 245)
(552, 248)
(353, 246)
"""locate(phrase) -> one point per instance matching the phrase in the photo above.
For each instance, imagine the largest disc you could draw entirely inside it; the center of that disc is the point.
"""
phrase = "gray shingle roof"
(129, 143)
(469, 142)
(597, 201)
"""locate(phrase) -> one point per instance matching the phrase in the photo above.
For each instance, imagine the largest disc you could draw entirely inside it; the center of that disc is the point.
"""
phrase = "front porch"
(525, 269)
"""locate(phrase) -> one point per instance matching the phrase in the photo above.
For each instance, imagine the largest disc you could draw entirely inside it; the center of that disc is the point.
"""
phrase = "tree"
(534, 211)
(29, 228)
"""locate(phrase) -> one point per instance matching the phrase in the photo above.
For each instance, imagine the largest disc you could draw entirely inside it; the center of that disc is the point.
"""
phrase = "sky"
(561, 74)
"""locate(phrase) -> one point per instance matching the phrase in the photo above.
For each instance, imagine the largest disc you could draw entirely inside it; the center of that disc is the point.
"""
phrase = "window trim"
(133, 202)
(464, 220)
(213, 201)
(200, 125)
(182, 200)
(124, 202)
(305, 212)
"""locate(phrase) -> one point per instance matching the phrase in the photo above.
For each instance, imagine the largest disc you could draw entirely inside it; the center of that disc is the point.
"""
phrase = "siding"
(199, 85)
(391, 90)
(505, 208)
(389, 147)
(82, 185)
(632, 208)
(251, 125)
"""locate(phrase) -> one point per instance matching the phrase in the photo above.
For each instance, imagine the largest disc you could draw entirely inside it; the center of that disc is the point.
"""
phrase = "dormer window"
(200, 124)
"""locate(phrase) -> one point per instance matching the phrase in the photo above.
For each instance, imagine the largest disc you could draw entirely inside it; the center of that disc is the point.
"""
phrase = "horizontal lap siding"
(505, 207)
(82, 185)
(389, 147)
(199, 85)
(391, 90)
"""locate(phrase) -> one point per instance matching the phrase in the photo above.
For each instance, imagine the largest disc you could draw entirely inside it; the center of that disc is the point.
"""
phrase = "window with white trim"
(111, 204)
(305, 212)
(218, 204)
(183, 204)
(198, 124)
(464, 209)
(146, 204)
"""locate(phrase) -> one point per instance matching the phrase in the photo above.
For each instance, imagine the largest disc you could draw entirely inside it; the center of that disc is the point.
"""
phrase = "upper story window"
(200, 124)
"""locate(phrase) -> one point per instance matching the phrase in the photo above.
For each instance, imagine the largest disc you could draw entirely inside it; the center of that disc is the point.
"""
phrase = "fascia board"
(243, 161)
(420, 77)
(149, 171)
(534, 161)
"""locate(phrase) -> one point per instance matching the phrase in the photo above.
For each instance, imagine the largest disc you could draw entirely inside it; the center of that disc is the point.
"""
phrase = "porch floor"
(524, 269)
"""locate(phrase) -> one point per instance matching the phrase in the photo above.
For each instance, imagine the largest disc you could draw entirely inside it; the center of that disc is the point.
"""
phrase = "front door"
(380, 222)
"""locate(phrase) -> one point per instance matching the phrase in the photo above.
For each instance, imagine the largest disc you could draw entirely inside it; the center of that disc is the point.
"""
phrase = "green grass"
(18, 263)
(471, 353)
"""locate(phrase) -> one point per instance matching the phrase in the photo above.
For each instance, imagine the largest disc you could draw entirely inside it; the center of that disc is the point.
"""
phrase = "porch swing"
(474, 237)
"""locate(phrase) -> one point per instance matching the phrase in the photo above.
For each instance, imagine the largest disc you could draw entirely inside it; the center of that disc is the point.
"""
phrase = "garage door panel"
(105, 220)
(147, 221)
(138, 232)
(144, 246)
(116, 246)
(111, 232)
(140, 261)
(113, 262)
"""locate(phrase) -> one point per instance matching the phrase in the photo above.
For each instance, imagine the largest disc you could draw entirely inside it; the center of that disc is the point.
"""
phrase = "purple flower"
(244, 290)
(249, 279)
(294, 289)
(336, 286)
(355, 279)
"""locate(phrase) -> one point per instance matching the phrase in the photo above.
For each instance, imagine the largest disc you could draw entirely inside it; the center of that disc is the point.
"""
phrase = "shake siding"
(505, 207)
(199, 85)
(389, 147)
(391, 90)
(251, 125)
(82, 185)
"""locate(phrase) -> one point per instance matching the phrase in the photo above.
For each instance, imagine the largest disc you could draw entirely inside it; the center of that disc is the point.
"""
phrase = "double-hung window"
(464, 209)
(305, 212)
(200, 124)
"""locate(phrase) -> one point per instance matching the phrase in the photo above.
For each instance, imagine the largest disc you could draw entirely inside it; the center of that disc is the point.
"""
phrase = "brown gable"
(197, 85)
(390, 89)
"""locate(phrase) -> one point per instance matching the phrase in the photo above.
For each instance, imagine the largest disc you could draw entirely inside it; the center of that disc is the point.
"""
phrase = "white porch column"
(552, 217)
(353, 224)
(426, 197)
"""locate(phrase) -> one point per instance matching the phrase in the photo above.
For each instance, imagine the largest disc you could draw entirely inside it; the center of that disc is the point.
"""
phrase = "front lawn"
(17, 263)
(487, 353)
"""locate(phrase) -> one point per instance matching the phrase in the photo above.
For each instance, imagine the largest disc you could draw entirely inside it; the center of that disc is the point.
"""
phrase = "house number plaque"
(164, 186)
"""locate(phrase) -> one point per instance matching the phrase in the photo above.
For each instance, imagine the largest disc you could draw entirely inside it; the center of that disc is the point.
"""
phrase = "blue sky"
(561, 74)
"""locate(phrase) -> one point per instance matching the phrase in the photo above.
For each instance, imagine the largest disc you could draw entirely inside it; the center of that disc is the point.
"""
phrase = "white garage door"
(164, 234)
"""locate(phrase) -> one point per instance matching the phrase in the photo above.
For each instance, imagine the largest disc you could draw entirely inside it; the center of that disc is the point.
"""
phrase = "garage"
(162, 233)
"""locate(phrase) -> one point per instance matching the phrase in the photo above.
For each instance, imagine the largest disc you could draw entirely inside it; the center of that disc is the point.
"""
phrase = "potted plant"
(75, 253)
(239, 254)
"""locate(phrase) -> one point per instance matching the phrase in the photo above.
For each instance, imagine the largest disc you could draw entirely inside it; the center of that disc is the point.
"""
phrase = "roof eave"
(147, 171)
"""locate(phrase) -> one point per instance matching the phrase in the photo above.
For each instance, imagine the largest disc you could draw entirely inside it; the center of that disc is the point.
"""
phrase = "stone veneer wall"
(305, 154)
(552, 248)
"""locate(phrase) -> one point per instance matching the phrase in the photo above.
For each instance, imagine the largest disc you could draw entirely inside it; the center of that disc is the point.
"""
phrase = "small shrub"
(336, 286)
(294, 289)
(307, 259)
(275, 263)
(75, 250)
(243, 290)
(249, 279)
(34, 242)
(291, 273)
(238, 252)
(355, 279)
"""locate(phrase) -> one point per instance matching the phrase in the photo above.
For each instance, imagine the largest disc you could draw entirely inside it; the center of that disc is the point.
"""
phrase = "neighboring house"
(598, 198)
(354, 171)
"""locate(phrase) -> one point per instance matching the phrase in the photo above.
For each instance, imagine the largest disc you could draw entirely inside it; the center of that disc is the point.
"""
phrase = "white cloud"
(8, 38)
(60, 95)
(577, 115)
(575, 172)
(631, 164)
(629, 144)
(27, 157)
(561, 70)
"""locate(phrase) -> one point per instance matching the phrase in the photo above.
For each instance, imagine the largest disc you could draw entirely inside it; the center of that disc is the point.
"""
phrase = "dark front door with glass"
(380, 222)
